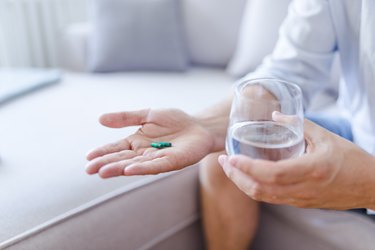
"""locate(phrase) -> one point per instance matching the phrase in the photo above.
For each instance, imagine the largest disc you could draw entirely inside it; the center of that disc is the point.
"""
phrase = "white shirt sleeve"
(305, 50)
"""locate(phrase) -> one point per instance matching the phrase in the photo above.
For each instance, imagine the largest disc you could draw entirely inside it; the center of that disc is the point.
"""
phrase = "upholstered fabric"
(19, 82)
(137, 35)
(286, 228)
(45, 136)
(140, 215)
(48, 201)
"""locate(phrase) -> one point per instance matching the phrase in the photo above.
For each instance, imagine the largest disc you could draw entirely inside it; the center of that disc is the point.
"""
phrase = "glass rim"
(243, 83)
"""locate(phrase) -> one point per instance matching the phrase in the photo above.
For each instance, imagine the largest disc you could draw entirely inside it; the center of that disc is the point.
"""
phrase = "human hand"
(133, 155)
(334, 173)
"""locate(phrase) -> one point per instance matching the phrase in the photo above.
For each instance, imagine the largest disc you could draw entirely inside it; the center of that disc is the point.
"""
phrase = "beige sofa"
(47, 200)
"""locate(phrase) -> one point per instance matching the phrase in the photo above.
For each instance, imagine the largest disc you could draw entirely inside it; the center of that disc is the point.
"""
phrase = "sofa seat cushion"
(45, 136)
(141, 215)
(286, 227)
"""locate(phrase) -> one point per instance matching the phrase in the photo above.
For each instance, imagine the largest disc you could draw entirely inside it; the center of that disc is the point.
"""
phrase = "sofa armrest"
(73, 52)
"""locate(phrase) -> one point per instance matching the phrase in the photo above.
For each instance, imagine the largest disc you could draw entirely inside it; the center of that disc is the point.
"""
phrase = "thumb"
(125, 119)
(287, 119)
(315, 136)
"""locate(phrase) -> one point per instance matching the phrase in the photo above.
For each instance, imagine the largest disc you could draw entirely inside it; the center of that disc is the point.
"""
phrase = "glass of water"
(266, 120)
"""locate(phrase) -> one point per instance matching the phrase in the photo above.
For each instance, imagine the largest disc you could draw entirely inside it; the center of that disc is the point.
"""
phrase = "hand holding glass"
(266, 120)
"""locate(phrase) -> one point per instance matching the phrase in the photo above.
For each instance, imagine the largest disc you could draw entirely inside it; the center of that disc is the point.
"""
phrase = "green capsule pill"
(161, 145)
(156, 145)
(166, 144)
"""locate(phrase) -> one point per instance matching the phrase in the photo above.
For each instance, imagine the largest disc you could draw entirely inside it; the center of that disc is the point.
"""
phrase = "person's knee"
(211, 173)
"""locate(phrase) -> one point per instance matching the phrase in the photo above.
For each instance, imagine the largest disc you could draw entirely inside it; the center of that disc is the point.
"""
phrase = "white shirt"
(313, 32)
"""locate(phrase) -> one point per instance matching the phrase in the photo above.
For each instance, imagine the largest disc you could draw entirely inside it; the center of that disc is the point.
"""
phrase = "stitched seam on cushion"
(85, 207)
(170, 232)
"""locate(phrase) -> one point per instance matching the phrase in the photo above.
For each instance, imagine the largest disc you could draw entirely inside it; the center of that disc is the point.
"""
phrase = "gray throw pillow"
(137, 35)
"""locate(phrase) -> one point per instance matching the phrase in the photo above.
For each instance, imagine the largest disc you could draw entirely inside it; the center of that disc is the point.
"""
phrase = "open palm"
(133, 155)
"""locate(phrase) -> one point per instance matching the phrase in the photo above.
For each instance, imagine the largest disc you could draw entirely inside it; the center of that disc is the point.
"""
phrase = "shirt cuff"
(370, 212)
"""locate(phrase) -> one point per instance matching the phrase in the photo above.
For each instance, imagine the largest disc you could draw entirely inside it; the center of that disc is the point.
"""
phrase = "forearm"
(216, 120)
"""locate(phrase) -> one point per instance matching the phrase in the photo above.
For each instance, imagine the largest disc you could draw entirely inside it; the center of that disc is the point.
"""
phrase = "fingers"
(293, 194)
(155, 166)
(289, 171)
(292, 181)
(284, 172)
(124, 119)
(151, 161)
(108, 149)
(93, 166)
(287, 119)
(292, 121)
(242, 180)
(134, 142)
(254, 189)
(117, 168)
(140, 165)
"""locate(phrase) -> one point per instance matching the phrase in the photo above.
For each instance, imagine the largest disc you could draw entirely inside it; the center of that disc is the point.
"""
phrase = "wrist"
(217, 129)
(215, 121)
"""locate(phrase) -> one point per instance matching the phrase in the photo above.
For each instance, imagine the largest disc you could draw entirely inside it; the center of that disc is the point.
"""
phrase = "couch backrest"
(211, 29)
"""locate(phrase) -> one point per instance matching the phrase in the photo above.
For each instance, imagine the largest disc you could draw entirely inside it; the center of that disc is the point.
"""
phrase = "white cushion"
(258, 34)
(212, 29)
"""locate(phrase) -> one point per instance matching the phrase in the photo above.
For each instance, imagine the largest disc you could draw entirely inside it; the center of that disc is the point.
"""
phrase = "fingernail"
(233, 160)
(88, 155)
(275, 114)
(105, 119)
(88, 168)
(222, 159)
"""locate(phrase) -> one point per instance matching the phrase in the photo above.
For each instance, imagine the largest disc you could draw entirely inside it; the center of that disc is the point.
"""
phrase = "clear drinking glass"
(266, 120)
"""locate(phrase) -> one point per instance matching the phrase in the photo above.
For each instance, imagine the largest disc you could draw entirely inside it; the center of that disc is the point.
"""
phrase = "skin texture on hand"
(192, 139)
(133, 155)
(333, 174)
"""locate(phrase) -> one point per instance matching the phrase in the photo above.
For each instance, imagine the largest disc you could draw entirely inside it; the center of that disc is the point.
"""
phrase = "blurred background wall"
(30, 30)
